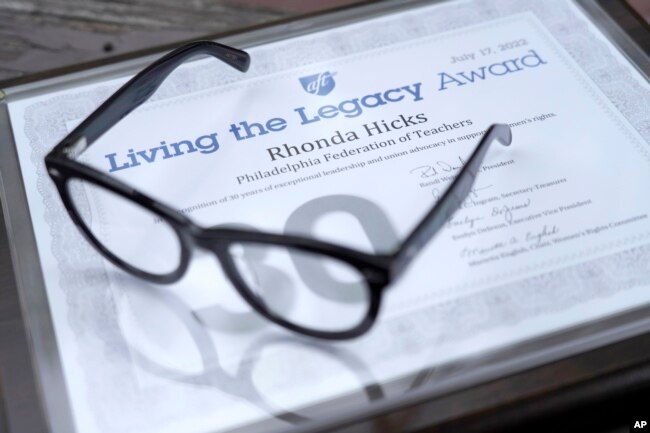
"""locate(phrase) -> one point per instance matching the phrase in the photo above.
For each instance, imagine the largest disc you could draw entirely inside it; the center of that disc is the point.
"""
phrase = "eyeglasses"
(155, 241)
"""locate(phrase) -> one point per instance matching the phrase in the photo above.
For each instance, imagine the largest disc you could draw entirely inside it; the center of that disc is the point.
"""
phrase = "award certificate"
(351, 135)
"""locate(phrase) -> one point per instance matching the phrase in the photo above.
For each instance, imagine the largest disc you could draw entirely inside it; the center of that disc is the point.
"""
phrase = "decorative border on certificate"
(93, 313)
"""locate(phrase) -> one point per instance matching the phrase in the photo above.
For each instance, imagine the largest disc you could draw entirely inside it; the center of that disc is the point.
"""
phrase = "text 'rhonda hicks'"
(349, 108)
(371, 129)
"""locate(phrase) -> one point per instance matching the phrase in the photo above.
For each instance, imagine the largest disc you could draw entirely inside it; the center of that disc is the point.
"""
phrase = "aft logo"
(319, 84)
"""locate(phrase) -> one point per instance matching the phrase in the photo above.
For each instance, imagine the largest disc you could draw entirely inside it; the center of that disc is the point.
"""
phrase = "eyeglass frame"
(379, 270)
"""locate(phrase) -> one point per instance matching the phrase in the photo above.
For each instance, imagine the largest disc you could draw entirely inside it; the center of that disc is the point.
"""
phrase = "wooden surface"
(39, 35)
(642, 7)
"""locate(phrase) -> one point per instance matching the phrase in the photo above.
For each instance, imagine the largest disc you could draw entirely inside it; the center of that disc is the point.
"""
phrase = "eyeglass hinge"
(380, 274)
(73, 150)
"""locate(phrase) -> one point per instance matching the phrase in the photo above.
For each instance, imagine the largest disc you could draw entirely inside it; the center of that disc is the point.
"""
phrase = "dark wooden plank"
(38, 35)
(41, 35)
(642, 7)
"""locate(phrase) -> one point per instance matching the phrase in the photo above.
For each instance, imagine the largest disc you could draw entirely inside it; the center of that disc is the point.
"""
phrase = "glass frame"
(379, 270)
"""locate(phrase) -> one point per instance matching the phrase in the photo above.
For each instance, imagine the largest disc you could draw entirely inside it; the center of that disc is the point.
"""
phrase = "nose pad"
(218, 305)
(246, 269)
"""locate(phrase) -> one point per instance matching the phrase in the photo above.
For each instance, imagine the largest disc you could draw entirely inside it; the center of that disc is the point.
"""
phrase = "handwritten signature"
(465, 221)
(508, 210)
(438, 167)
(479, 251)
(471, 199)
(536, 237)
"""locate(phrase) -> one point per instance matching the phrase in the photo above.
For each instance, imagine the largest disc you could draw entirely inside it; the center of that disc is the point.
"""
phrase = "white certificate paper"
(350, 135)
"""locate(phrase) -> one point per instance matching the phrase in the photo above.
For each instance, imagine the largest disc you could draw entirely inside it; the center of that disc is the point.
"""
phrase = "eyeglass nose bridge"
(217, 239)
(377, 269)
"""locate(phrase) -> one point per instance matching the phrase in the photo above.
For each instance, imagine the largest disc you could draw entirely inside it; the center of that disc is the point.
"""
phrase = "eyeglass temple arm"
(139, 88)
(450, 201)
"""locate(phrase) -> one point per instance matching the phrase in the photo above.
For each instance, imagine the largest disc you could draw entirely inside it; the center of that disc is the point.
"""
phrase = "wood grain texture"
(38, 35)
(642, 7)
(41, 35)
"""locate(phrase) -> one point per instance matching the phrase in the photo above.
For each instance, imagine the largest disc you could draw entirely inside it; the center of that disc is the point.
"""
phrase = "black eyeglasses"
(155, 241)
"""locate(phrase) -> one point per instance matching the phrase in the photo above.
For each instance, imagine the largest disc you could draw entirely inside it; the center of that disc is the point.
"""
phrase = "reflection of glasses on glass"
(154, 241)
